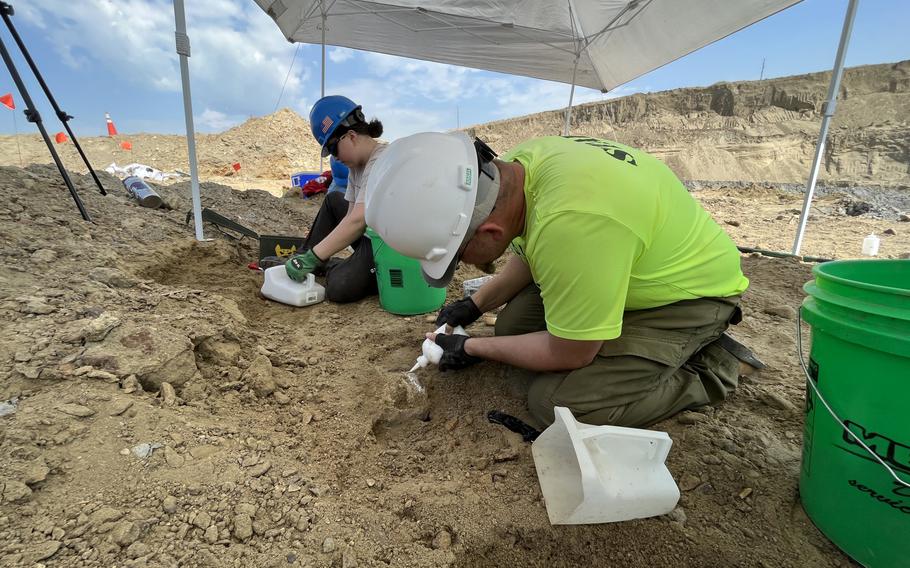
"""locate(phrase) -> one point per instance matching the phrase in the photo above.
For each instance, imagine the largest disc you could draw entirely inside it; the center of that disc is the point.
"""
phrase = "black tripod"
(32, 115)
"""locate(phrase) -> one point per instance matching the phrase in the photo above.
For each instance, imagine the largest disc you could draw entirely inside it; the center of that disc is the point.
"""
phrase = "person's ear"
(491, 229)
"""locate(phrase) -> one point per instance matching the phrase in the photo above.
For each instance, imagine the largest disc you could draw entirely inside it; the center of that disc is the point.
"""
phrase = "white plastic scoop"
(601, 474)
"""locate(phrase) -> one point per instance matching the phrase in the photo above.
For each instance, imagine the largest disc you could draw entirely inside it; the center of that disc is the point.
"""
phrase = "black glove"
(464, 312)
(454, 356)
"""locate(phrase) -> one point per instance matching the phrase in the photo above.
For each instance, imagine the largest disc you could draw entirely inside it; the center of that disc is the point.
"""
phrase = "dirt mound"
(158, 412)
(270, 147)
(753, 131)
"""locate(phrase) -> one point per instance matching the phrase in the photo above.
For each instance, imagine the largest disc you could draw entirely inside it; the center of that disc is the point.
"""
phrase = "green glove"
(302, 264)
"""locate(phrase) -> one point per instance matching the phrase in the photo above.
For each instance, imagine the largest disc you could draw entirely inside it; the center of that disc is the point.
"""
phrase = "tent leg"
(183, 49)
(565, 129)
(322, 84)
(828, 113)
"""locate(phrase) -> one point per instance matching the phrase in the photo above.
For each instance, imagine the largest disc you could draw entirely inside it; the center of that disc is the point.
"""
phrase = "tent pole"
(322, 84)
(183, 49)
(565, 130)
(828, 113)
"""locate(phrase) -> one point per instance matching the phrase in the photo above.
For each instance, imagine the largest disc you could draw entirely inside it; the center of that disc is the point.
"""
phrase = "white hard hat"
(426, 195)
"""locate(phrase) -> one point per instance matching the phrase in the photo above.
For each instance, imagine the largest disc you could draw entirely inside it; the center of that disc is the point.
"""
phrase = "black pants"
(347, 279)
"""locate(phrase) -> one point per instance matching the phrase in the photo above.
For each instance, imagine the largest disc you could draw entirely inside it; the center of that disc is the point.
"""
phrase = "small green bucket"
(402, 289)
(855, 477)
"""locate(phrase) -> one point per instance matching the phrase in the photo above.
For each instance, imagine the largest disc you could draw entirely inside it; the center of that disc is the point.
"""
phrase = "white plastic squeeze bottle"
(432, 353)
(870, 245)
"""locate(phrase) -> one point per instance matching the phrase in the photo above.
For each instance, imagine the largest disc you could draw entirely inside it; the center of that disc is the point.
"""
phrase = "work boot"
(748, 362)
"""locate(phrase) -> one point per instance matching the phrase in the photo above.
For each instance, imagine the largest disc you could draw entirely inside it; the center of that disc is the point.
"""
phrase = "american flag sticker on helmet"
(326, 124)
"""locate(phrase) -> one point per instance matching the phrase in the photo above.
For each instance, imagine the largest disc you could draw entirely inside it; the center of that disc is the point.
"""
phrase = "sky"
(118, 56)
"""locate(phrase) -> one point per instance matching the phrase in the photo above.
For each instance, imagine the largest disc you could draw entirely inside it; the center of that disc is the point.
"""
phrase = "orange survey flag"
(126, 145)
(7, 101)
(61, 138)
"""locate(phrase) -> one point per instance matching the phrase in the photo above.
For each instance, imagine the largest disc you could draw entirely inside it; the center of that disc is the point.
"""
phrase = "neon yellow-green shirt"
(610, 228)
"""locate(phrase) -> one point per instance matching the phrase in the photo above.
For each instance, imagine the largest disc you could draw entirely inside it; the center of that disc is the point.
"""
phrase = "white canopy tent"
(599, 44)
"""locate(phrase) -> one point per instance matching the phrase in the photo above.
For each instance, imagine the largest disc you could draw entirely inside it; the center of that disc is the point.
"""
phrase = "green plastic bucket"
(402, 289)
(859, 371)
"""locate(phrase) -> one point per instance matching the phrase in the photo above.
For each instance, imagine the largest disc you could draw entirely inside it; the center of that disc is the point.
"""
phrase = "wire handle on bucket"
(802, 363)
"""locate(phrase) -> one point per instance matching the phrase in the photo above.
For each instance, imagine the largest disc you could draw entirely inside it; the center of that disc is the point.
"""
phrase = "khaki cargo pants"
(664, 362)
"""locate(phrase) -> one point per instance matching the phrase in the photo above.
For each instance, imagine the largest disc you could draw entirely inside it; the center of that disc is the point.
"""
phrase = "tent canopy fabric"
(613, 41)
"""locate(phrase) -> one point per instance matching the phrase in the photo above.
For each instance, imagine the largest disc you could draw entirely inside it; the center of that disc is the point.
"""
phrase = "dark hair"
(373, 129)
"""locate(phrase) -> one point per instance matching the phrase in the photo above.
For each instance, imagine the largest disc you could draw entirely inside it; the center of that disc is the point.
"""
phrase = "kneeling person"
(621, 284)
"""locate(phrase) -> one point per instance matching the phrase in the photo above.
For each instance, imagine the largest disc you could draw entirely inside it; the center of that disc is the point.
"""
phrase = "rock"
(169, 505)
(203, 520)
(131, 385)
(167, 394)
(172, 458)
(889, 232)
(104, 515)
(260, 468)
(691, 418)
(259, 376)
(137, 550)
(856, 208)
(36, 472)
(243, 527)
(328, 545)
(13, 491)
(688, 482)
(786, 312)
(154, 353)
(904, 255)
(211, 534)
(732, 222)
(904, 218)
(124, 533)
(44, 255)
(442, 540)
(745, 493)
(775, 400)
(97, 329)
(711, 459)
(76, 410)
(40, 551)
(112, 277)
(220, 350)
(37, 306)
(281, 398)
(677, 515)
(103, 376)
(120, 406)
(489, 320)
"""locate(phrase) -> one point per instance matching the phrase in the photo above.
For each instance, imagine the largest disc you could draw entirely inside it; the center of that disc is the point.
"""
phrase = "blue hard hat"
(339, 172)
(329, 113)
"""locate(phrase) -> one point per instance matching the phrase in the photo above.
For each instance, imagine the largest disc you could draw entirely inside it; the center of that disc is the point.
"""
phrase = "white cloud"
(399, 114)
(239, 59)
(216, 121)
(437, 82)
(340, 54)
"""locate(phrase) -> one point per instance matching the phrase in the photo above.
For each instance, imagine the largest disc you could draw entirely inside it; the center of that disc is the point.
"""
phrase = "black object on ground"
(528, 432)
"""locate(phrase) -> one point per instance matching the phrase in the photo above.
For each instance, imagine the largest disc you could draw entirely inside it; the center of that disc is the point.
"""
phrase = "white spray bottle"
(432, 353)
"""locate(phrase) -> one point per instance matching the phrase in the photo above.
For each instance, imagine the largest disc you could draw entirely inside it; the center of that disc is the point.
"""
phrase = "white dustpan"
(602, 474)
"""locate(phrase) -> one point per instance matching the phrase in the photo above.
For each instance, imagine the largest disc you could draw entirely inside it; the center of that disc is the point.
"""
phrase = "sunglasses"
(331, 147)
